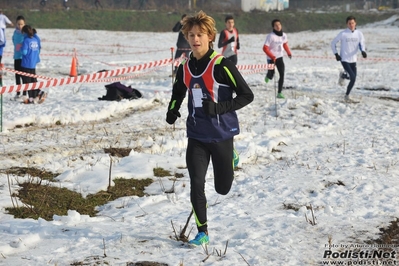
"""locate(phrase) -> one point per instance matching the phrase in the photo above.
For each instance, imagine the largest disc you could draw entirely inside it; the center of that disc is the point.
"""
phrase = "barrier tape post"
(275, 93)
(173, 62)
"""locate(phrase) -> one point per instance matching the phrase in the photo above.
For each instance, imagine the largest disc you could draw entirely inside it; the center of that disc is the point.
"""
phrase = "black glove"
(209, 107)
(172, 115)
(289, 56)
(232, 39)
(364, 54)
(337, 57)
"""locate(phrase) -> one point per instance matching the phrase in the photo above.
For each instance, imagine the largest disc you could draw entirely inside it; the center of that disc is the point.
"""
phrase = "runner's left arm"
(227, 73)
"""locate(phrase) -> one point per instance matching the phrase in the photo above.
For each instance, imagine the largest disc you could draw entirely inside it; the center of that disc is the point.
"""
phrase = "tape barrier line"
(24, 73)
(327, 57)
(256, 71)
(125, 77)
(103, 76)
(253, 67)
(179, 60)
(82, 78)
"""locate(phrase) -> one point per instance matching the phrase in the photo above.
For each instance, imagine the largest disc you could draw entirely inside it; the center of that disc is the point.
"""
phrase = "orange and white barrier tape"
(83, 78)
(256, 67)
(124, 77)
(256, 71)
(178, 61)
(326, 57)
(102, 76)
(24, 73)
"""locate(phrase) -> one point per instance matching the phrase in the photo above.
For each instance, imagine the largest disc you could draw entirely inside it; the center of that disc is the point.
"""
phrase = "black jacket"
(230, 77)
(181, 40)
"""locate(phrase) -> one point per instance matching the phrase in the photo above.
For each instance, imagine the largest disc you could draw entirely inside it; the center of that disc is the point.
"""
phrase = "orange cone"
(74, 72)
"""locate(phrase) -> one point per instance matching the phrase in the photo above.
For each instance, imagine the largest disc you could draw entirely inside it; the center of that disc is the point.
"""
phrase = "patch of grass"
(118, 152)
(45, 200)
(296, 207)
(338, 183)
(162, 21)
(160, 172)
(33, 172)
(146, 263)
(92, 260)
(389, 235)
(25, 125)
(177, 175)
(291, 206)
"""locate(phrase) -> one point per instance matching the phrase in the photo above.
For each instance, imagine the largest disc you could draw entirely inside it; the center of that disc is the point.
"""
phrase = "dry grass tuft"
(46, 200)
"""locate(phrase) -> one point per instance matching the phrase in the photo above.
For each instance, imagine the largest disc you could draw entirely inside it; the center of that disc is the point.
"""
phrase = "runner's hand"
(172, 115)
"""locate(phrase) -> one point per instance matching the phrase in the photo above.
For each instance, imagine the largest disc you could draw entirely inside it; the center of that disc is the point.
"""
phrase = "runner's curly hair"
(206, 23)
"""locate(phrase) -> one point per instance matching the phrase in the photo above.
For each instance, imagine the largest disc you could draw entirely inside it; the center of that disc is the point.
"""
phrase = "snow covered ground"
(343, 159)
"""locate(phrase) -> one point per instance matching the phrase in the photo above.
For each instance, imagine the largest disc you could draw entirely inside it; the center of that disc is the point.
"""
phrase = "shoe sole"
(44, 96)
(194, 245)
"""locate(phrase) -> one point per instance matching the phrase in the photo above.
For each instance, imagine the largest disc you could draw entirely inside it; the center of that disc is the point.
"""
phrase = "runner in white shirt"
(351, 41)
(274, 45)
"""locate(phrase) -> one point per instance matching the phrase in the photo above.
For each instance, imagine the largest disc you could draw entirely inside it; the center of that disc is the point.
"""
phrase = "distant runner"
(229, 40)
(275, 43)
(352, 40)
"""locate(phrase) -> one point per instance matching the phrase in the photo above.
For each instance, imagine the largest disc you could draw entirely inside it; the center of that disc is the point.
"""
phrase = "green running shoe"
(236, 158)
(200, 239)
(280, 96)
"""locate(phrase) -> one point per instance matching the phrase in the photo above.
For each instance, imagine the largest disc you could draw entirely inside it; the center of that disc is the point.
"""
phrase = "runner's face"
(20, 24)
(199, 41)
(351, 24)
(230, 24)
(277, 26)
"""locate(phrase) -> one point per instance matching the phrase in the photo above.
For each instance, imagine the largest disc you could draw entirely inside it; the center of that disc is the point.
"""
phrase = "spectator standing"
(18, 40)
(65, 4)
(30, 58)
(183, 48)
(97, 3)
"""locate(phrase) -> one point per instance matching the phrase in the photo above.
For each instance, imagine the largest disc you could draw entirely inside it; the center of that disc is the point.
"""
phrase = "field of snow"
(341, 159)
